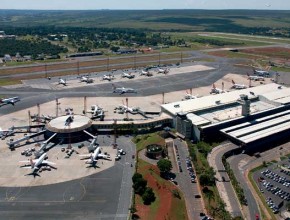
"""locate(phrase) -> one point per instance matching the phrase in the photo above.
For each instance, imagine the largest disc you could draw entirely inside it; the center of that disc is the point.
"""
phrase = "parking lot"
(274, 182)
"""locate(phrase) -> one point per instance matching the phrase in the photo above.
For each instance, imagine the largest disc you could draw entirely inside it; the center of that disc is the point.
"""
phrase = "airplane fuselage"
(10, 100)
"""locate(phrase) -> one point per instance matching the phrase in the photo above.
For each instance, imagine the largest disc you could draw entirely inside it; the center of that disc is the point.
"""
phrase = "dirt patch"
(165, 197)
(163, 191)
(272, 52)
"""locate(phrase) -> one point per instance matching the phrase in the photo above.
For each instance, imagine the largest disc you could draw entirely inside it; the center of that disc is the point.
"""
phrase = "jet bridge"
(91, 147)
(11, 143)
(43, 146)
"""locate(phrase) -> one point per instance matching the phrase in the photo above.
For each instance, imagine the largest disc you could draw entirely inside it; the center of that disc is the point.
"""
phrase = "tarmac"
(73, 191)
(96, 194)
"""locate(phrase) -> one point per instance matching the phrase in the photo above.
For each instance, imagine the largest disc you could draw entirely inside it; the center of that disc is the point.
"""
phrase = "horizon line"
(254, 9)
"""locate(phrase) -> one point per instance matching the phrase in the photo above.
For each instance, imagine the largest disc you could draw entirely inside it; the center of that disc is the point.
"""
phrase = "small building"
(155, 151)
(126, 51)
(85, 54)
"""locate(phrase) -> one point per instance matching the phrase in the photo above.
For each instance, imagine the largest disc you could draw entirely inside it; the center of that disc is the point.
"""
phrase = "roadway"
(240, 176)
(194, 205)
(243, 163)
(222, 179)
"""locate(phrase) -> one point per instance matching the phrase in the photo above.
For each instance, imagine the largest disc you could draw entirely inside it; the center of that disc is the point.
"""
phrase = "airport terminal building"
(248, 116)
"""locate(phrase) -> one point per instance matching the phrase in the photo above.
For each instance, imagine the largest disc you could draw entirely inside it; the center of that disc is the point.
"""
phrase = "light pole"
(78, 67)
(108, 63)
(45, 69)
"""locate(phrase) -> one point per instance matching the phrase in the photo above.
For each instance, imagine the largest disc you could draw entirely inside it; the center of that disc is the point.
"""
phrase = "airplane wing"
(48, 162)
(85, 155)
(90, 161)
(27, 161)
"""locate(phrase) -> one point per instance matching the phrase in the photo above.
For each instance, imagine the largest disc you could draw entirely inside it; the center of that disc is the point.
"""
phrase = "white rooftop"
(281, 96)
(259, 128)
(205, 102)
(197, 120)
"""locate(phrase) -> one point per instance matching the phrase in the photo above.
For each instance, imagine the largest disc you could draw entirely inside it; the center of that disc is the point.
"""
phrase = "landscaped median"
(169, 202)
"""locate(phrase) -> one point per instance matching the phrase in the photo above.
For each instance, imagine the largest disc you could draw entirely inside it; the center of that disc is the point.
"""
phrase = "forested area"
(28, 47)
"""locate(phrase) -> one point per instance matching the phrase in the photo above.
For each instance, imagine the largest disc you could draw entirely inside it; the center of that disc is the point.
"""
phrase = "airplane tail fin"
(233, 81)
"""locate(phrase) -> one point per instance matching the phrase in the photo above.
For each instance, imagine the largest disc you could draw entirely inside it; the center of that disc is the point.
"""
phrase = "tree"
(114, 49)
(148, 196)
(136, 176)
(208, 194)
(139, 183)
(164, 165)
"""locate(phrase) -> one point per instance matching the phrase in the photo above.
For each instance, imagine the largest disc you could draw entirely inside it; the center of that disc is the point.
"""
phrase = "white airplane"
(97, 112)
(165, 71)
(238, 86)
(216, 90)
(145, 73)
(62, 81)
(256, 78)
(86, 79)
(125, 108)
(123, 90)
(190, 96)
(11, 101)
(93, 158)
(261, 72)
(128, 75)
(37, 163)
(108, 77)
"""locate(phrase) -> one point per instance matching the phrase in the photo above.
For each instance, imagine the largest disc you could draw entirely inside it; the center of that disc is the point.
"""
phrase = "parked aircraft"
(36, 164)
(189, 96)
(263, 73)
(93, 158)
(256, 78)
(97, 112)
(86, 79)
(108, 77)
(123, 90)
(238, 86)
(216, 90)
(165, 71)
(62, 81)
(128, 75)
(11, 101)
(145, 73)
(124, 108)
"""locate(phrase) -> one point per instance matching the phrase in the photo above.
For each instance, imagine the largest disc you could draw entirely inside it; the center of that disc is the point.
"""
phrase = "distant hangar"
(247, 116)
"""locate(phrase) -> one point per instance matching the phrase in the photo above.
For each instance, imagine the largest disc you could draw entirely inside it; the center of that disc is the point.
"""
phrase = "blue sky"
(144, 4)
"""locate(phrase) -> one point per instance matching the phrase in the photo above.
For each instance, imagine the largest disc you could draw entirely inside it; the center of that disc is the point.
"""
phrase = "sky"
(144, 4)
